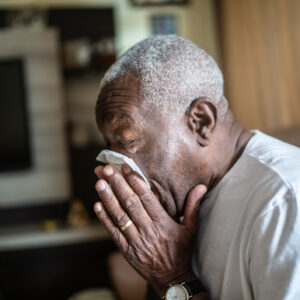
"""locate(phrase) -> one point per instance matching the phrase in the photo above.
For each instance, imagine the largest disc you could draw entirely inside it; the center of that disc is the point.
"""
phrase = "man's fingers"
(192, 205)
(112, 229)
(148, 199)
(115, 210)
(99, 172)
(127, 197)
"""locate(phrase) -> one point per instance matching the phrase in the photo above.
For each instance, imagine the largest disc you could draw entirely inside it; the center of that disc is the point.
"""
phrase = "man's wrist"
(179, 279)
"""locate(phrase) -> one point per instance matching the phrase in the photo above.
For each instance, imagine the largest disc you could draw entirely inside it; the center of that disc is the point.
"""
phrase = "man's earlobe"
(202, 119)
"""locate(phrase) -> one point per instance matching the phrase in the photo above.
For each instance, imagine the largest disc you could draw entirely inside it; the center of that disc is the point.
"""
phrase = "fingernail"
(97, 207)
(108, 170)
(126, 169)
(101, 186)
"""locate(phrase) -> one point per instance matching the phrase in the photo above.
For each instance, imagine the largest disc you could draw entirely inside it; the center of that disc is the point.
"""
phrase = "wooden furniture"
(39, 265)
(129, 285)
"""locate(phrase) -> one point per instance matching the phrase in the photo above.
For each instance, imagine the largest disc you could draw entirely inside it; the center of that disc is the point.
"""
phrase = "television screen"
(14, 131)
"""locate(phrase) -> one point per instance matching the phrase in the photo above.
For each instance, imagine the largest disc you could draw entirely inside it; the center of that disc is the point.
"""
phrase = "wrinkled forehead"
(119, 94)
(117, 105)
(120, 109)
(121, 102)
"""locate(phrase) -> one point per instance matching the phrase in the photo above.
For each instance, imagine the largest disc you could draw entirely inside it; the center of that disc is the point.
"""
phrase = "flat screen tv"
(15, 151)
(33, 154)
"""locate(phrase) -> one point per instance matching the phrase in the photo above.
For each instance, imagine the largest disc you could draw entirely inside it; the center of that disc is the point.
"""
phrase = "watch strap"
(194, 287)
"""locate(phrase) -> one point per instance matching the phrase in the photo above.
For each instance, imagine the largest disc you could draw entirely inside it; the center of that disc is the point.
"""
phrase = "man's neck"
(233, 142)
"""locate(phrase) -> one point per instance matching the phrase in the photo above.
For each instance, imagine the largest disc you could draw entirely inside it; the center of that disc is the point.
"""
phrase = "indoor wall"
(261, 46)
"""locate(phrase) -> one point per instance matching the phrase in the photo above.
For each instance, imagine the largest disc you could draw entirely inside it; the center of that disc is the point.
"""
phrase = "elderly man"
(162, 105)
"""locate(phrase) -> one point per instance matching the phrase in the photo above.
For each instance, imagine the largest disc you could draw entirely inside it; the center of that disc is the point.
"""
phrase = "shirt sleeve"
(274, 252)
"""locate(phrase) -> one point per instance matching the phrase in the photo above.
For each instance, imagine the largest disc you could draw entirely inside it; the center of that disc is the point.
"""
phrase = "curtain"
(261, 59)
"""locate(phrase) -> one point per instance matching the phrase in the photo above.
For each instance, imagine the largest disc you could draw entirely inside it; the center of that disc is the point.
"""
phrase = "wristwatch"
(183, 291)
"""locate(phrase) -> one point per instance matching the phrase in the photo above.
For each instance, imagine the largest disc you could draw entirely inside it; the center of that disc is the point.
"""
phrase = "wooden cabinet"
(54, 265)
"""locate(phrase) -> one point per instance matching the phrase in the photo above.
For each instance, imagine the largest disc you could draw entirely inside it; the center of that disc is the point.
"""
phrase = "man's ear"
(202, 119)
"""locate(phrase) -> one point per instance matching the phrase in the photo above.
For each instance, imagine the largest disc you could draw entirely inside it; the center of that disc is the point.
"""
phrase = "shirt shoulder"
(277, 163)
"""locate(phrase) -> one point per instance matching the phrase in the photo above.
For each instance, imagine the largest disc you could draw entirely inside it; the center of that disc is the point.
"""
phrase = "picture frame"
(164, 24)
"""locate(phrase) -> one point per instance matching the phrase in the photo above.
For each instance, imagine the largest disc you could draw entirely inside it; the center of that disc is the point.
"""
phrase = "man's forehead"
(123, 90)
(118, 102)
(128, 81)
(120, 98)
(119, 110)
(121, 101)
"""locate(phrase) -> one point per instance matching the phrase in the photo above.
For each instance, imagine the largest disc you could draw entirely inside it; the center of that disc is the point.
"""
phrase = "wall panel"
(261, 48)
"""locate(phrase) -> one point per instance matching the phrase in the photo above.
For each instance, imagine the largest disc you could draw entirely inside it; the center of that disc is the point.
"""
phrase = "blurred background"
(52, 57)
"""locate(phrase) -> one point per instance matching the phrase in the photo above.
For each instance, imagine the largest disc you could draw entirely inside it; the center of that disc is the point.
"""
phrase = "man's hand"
(154, 244)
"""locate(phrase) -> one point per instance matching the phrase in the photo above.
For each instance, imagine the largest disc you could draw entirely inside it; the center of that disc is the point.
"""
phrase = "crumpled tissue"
(117, 160)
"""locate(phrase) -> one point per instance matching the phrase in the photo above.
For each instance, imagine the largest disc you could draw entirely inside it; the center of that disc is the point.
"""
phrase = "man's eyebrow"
(118, 122)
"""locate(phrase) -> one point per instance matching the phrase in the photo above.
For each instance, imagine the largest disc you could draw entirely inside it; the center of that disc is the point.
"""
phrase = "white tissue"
(117, 160)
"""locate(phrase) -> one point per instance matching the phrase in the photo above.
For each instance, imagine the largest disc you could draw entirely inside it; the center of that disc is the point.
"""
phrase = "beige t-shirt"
(248, 244)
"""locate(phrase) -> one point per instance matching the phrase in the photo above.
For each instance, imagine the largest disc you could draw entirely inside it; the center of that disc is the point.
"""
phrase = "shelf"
(34, 236)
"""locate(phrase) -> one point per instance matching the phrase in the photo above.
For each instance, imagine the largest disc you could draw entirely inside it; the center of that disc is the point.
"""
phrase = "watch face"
(177, 292)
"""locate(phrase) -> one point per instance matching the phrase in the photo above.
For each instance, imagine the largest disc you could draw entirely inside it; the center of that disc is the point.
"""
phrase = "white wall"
(197, 20)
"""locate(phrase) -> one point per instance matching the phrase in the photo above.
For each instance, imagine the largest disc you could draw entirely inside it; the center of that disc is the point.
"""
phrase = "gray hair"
(171, 70)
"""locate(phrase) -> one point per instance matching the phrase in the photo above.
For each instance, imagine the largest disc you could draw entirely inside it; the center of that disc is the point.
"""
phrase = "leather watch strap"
(194, 287)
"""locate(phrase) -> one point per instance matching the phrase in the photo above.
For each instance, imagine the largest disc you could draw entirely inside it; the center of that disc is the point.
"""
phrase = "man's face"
(160, 143)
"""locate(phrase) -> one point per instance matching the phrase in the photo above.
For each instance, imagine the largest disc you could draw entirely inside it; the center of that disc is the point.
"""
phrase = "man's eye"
(127, 144)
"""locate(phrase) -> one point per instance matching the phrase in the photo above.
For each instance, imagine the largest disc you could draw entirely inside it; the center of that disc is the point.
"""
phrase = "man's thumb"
(192, 207)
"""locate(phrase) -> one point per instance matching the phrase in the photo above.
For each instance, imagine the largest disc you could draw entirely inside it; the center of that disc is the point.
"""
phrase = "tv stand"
(35, 264)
